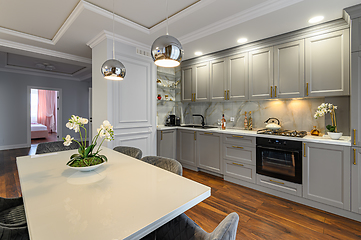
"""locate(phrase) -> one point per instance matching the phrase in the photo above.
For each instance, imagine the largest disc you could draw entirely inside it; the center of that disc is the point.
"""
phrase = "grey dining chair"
(130, 151)
(166, 163)
(57, 146)
(183, 228)
(12, 219)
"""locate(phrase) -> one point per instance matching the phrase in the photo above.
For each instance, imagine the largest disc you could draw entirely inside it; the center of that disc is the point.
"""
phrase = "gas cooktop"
(281, 132)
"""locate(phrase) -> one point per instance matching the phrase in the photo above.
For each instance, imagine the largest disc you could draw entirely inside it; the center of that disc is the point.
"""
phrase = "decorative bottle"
(245, 121)
(250, 123)
(223, 122)
(315, 131)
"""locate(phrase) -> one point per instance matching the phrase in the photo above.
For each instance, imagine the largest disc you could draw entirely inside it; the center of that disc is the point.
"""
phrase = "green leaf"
(104, 157)
(70, 162)
(74, 156)
(331, 128)
(89, 150)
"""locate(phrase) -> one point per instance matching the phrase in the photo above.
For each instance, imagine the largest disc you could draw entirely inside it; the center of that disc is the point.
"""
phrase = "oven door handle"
(279, 149)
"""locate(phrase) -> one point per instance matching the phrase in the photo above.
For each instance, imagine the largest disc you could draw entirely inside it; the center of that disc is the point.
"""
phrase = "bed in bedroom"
(38, 131)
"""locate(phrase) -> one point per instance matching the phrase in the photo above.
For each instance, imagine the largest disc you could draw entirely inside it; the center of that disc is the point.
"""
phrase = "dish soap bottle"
(223, 122)
(245, 121)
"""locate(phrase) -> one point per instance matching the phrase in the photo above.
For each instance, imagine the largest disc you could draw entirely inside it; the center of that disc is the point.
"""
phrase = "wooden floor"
(261, 216)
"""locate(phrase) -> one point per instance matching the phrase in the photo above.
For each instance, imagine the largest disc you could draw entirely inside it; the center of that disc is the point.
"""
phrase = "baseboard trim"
(8, 147)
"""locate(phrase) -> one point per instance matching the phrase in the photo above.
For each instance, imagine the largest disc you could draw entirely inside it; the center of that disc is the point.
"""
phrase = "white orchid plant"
(325, 108)
(85, 156)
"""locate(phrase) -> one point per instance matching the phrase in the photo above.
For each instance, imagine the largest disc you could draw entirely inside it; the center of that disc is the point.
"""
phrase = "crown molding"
(26, 36)
(44, 51)
(118, 38)
(241, 17)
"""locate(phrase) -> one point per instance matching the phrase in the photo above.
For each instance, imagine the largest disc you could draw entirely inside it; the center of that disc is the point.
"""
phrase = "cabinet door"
(355, 99)
(289, 70)
(187, 147)
(356, 35)
(167, 143)
(218, 80)
(187, 75)
(238, 77)
(326, 174)
(261, 73)
(356, 180)
(201, 82)
(209, 151)
(327, 64)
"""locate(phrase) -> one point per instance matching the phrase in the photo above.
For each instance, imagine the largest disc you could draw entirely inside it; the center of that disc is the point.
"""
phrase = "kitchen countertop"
(343, 141)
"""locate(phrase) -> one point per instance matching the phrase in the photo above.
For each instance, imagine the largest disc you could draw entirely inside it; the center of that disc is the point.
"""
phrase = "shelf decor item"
(87, 158)
(322, 110)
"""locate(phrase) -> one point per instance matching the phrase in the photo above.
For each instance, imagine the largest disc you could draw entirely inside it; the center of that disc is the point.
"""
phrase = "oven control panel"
(278, 143)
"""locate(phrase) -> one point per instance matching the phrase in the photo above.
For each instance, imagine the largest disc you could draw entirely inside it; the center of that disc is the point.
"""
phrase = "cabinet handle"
(208, 133)
(276, 181)
(228, 94)
(237, 136)
(271, 90)
(354, 156)
(225, 95)
(238, 164)
(195, 136)
(354, 137)
(304, 149)
(275, 91)
(307, 89)
(161, 135)
(237, 147)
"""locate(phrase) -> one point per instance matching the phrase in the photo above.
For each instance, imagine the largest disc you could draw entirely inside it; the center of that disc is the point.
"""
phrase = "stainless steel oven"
(280, 159)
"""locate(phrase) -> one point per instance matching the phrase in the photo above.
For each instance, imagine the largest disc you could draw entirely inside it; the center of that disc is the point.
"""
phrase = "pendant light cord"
(167, 14)
(113, 32)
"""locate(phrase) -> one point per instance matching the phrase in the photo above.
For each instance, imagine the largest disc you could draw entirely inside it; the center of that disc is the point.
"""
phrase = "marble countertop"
(343, 141)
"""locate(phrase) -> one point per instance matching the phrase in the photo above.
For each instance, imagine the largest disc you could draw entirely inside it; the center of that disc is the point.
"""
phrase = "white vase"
(334, 135)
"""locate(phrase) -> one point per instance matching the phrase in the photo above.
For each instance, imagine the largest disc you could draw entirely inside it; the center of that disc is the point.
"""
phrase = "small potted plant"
(323, 109)
(88, 157)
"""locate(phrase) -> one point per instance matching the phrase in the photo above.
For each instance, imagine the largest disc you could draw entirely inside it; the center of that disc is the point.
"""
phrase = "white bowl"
(334, 135)
(86, 169)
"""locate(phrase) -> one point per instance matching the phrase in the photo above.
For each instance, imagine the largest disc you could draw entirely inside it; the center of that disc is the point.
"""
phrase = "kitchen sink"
(198, 126)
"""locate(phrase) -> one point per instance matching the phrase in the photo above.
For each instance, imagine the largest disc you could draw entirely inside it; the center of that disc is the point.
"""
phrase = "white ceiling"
(65, 27)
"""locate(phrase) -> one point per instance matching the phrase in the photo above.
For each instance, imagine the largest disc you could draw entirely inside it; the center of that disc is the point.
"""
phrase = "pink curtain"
(47, 109)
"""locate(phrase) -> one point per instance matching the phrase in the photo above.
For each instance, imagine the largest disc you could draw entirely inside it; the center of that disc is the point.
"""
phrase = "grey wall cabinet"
(326, 174)
(289, 70)
(187, 147)
(187, 76)
(355, 99)
(327, 64)
(356, 180)
(167, 143)
(209, 151)
(356, 35)
(261, 73)
(195, 83)
(237, 78)
(218, 78)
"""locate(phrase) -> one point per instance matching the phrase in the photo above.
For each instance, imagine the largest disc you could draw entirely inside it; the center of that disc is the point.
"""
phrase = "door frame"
(58, 117)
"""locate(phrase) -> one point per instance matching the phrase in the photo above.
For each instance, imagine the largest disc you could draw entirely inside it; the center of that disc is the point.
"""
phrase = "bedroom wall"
(13, 104)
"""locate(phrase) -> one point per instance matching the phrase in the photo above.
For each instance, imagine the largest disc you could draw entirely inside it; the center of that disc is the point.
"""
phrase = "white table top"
(123, 199)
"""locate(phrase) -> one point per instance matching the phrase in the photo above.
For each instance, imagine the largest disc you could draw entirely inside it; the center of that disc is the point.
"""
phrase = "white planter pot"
(334, 135)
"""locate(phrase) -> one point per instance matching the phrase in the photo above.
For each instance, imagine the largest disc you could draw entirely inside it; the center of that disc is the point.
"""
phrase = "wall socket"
(232, 119)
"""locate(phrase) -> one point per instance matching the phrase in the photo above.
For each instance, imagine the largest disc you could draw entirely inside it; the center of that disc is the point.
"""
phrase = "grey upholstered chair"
(57, 146)
(130, 151)
(12, 219)
(183, 228)
(165, 163)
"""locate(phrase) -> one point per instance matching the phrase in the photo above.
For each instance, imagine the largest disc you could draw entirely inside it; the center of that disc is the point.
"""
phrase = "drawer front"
(239, 140)
(240, 171)
(243, 154)
(280, 185)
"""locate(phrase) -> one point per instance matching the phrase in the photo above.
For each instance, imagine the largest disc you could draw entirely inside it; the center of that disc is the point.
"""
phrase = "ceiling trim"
(118, 38)
(26, 36)
(238, 18)
(44, 51)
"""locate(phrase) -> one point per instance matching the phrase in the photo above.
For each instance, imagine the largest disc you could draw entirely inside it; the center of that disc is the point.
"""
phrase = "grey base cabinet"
(167, 143)
(187, 147)
(356, 180)
(326, 174)
(209, 151)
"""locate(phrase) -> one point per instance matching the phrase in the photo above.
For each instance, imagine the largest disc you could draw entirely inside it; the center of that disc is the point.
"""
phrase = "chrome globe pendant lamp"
(166, 50)
(112, 69)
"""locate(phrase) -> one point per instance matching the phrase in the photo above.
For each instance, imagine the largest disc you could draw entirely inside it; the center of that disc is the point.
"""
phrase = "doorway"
(44, 115)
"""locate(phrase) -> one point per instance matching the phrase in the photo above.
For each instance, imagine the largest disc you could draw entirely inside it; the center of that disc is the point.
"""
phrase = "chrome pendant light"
(166, 50)
(112, 69)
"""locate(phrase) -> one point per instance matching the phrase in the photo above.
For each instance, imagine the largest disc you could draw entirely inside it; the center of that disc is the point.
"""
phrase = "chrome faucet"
(199, 115)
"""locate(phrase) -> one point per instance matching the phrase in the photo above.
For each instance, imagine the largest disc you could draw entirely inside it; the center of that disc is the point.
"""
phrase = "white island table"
(123, 199)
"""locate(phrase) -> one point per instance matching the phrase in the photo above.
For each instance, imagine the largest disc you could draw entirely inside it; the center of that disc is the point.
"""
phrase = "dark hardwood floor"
(261, 216)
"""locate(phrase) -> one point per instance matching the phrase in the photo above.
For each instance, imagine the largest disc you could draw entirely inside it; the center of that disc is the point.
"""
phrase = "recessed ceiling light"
(242, 40)
(198, 53)
(316, 19)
